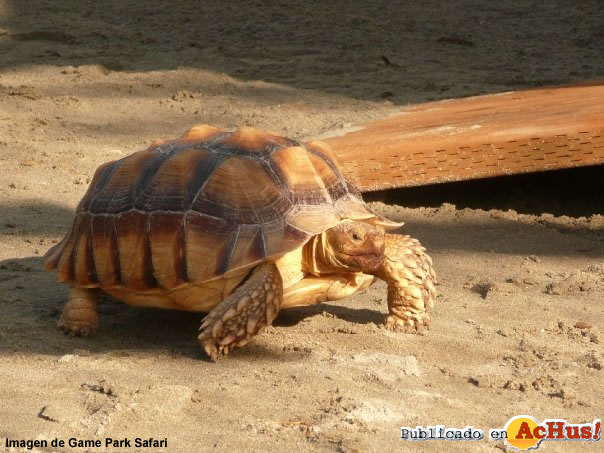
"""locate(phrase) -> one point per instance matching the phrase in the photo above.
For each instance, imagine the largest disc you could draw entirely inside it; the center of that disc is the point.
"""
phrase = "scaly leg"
(408, 271)
(80, 314)
(243, 314)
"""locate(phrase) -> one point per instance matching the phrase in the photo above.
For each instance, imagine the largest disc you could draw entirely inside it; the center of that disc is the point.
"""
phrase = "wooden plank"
(477, 137)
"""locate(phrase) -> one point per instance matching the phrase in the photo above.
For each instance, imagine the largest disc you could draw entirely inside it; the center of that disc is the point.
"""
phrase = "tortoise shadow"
(34, 217)
(31, 303)
(294, 316)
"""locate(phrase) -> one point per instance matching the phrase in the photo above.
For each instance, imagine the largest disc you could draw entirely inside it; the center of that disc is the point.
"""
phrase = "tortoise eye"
(356, 237)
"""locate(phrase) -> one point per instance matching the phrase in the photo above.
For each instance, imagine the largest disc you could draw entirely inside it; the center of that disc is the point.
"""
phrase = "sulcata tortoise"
(238, 224)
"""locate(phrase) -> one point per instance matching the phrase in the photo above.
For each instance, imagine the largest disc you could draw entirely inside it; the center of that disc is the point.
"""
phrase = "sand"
(517, 323)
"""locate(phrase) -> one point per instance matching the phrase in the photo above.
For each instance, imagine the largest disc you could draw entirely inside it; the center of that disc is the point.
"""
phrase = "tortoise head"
(356, 246)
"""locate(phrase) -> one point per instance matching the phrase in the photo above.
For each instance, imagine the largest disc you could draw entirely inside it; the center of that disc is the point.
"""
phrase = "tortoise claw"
(80, 315)
(417, 324)
(76, 329)
(211, 350)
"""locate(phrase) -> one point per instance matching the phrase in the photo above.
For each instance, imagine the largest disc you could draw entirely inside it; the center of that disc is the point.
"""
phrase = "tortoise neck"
(319, 257)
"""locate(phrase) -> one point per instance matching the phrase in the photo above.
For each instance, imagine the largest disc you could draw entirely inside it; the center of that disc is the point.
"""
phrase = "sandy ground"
(517, 325)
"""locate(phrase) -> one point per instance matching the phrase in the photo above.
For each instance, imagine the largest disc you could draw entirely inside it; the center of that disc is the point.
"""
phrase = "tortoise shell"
(195, 208)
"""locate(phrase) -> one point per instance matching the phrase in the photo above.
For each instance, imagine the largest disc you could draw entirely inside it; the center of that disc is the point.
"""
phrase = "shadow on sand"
(387, 43)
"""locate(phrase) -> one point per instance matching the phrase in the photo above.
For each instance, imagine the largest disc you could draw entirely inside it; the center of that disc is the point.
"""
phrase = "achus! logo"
(524, 432)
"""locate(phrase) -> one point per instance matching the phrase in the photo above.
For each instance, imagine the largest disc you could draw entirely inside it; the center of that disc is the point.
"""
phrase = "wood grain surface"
(477, 137)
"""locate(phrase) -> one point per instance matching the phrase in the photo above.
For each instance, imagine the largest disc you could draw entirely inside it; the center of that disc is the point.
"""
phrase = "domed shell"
(195, 208)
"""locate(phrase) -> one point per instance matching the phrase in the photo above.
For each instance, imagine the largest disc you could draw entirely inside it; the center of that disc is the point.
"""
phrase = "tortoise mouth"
(365, 262)
(367, 255)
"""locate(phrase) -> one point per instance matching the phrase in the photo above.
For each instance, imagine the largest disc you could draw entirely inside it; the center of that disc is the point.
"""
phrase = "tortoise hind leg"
(80, 314)
(243, 314)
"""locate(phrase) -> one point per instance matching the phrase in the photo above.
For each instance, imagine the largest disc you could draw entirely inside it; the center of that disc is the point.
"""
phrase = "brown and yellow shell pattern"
(192, 209)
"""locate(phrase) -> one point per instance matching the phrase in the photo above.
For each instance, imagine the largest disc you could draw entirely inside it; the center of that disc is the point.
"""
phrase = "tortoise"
(239, 224)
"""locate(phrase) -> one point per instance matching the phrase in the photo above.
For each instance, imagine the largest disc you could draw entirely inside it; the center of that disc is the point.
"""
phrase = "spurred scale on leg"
(408, 271)
(243, 314)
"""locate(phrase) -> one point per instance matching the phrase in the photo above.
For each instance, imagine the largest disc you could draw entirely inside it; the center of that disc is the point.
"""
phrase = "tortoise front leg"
(243, 314)
(408, 271)
(80, 314)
